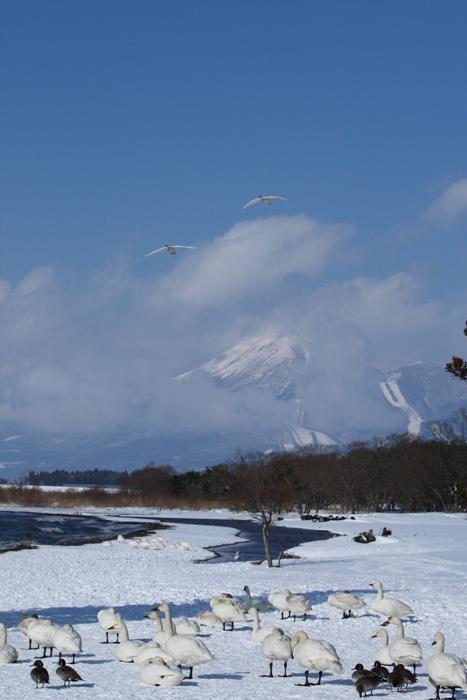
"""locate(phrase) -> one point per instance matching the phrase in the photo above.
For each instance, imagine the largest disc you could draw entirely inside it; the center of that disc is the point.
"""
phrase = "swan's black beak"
(385, 624)
(433, 644)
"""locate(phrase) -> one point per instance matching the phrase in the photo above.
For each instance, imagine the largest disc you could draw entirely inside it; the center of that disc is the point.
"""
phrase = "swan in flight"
(172, 249)
(263, 199)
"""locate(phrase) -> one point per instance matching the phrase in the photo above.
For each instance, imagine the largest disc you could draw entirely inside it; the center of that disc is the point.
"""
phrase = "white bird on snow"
(171, 249)
(259, 633)
(277, 647)
(383, 655)
(263, 199)
(445, 670)
(315, 655)
(346, 601)
(107, 618)
(388, 606)
(67, 641)
(8, 654)
(156, 671)
(404, 650)
(186, 650)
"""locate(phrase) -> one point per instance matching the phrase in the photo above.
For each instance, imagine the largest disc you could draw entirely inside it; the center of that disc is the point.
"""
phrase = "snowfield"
(423, 564)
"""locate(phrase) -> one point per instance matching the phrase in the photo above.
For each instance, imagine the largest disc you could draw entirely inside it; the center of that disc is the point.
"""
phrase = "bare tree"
(259, 486)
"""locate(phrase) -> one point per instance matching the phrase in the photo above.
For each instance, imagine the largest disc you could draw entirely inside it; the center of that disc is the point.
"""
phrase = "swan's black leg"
(268, 675)
(73, 659)
(307, 682)
(30, 644)
(304, 616)
(319, 678)
(118, 638)
(284, 675)
(223, 626)
(282, 614)
(190, 676)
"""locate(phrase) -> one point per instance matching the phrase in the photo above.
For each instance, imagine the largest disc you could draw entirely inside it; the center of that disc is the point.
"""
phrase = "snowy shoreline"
(423, 563)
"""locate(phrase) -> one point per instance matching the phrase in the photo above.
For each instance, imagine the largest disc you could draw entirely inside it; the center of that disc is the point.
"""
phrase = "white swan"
(228, 610)
(171, 249)
(383, 655)
(24, 622)
(315, 655)
(152, 650)
(276, 646)
(403, 650)
(8, 654)
(259, 633)
(298, 605)
(388, 606)
(128, 649)
(250, 602)
(186, 650)
(346, 601)
(185, 626)
(207, 618)
(157, 672)
(445, 670)
(263, 199)
(67, 641)
(292, 603)
(42, 632)
(107, 618)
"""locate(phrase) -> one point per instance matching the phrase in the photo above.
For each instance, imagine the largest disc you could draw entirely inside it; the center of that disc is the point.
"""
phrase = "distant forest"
(397, 473)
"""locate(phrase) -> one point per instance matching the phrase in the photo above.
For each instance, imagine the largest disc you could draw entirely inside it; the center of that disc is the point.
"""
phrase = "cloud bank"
(101, 355)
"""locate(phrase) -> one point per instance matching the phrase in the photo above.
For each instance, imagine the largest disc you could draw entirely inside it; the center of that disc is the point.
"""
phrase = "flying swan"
(263, 199)
(172, 249)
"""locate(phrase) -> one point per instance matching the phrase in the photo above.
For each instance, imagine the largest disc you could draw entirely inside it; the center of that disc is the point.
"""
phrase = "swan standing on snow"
(276, 646)
(346, 601)
(445, 670)
(128, 649)
(157, 672)
(8, 654)
(107, 618)
(383, 655)
(171, 249)
(388, 606)
(263, 199)
(228, 610)
(186, 650)
(67, 641)
(292, 603)
(23, 624)
(161, 635)
(315, 655)
(42, 632)
(403, 650)
(259, 633)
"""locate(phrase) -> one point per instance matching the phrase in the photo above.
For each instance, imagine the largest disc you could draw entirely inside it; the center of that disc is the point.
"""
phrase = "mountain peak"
(264, 361)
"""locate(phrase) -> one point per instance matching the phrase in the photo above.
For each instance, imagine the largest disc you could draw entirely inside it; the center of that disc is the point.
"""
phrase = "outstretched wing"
(256, 200)
(153, 252)
(275, 196)
(190, 247)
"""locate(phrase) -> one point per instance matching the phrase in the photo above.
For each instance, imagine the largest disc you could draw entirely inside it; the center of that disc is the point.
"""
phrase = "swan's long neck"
(2, 635)
(157, 624)
(385, 637)
(124, 633)
(379, 588)
(439, 646)
(169, 623)
(400, 629)
(248, 599)
(256, 624)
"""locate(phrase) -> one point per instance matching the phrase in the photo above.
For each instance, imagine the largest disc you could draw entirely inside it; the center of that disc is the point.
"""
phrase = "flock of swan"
(260, 199)
(176, 643)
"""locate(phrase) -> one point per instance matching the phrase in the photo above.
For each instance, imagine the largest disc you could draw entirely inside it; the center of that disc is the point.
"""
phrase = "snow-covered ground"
(423, 563)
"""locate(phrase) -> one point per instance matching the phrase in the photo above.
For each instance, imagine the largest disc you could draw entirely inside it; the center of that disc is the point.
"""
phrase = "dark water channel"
(282, 538)
(20, 530)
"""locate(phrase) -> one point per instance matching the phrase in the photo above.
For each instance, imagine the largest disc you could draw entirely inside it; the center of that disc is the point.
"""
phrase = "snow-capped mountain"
(270, 362)
(280, 370)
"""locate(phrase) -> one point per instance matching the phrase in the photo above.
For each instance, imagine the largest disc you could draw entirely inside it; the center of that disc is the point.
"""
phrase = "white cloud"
(102, 357)
(450, 206)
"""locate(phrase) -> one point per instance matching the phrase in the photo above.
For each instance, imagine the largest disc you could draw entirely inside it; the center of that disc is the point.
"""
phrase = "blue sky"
(128, 125)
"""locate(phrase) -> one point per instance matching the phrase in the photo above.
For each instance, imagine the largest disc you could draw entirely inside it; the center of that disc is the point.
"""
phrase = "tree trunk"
(267, 548)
